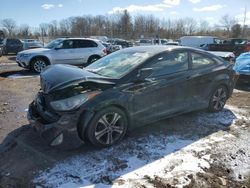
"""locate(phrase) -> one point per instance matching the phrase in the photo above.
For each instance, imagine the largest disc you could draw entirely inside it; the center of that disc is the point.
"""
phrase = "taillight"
(105, 51)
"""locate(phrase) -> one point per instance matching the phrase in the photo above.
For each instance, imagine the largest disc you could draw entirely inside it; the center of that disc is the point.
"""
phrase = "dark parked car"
(235, 45)
(11, 46)
(128, 88)
(123, 43)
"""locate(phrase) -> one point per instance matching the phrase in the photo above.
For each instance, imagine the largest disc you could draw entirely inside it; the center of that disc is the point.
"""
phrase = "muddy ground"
(219, 142)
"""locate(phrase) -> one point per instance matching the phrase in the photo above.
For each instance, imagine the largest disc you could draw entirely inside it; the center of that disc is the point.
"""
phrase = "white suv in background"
(74, 51)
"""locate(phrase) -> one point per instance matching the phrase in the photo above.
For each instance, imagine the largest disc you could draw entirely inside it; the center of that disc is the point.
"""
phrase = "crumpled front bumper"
(60, 132)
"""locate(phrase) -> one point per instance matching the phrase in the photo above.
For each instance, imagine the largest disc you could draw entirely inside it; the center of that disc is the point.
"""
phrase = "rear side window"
(170, 63)
(84, 44)
(201, 61)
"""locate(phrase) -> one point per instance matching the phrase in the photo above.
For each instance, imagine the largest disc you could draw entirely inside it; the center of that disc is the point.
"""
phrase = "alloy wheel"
(109, 128)
(219, 99)
(39, 65)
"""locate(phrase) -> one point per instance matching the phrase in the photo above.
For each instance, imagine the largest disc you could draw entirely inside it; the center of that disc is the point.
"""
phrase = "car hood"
(56, 77)
(35, 50)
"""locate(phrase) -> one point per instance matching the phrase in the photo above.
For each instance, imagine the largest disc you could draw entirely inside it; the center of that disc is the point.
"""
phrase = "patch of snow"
(132, 161)
(152, 156)
(109, 164)
(238, 91)
(237, 157)
(240, 113)
(225, 118)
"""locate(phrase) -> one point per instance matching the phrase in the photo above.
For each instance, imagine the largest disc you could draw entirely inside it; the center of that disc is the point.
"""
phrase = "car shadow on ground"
(18, 74)
(12, 58)
(23, 148)
(243, 86)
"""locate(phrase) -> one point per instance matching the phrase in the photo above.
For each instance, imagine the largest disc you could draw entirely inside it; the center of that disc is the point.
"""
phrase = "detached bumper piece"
(62, 132)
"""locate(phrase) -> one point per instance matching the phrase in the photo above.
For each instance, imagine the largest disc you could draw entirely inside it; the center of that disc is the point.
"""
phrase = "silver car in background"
(31, 44)
(74, 51)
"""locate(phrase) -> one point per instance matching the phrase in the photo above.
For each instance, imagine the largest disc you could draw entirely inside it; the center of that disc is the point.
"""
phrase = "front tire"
(107, 127)
(38, 64)
(218, 99)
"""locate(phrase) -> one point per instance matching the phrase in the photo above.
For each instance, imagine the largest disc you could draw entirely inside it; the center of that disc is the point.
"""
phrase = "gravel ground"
(197, 149)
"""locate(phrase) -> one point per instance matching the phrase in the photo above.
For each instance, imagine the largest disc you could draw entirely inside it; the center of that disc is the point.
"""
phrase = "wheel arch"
(87, 115)
(94, 55)
(39, 56)
(221, 84)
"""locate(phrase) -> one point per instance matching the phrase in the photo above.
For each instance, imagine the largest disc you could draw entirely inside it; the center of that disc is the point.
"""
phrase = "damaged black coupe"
(129, 88)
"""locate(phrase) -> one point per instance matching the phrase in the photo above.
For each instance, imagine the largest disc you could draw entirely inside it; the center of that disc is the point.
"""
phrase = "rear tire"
(218, 99)
(107, 127)
(38, 64)
(91, 60)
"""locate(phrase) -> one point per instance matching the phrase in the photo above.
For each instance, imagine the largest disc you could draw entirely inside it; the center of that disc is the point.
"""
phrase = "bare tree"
(10, 25)
(65, 27)
(53, 29)
(44, 31)
(190, 26)
(126, 25)
(179, 28)
(79, 25)
(139, 26)
(236, 30)
(24, 31)
(152, 25)
(244, 22)
(227, 22)
(123, 25)
(203, 27)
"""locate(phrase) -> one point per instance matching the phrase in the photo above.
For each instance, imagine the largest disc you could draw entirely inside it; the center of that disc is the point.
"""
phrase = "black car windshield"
(54, 43)
(118, 64)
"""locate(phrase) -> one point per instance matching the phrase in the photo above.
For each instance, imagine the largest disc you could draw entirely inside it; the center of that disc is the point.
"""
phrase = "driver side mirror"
(143, 74)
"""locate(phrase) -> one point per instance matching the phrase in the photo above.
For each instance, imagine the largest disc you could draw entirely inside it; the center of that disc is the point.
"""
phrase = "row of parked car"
(12, 45)
(84, 51)
(115, 93)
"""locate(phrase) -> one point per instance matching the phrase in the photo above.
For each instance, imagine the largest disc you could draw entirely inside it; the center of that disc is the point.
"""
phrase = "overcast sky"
(34, 12)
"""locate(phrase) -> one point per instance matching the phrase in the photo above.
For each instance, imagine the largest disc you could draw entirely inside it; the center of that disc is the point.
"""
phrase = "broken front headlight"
(72, 102)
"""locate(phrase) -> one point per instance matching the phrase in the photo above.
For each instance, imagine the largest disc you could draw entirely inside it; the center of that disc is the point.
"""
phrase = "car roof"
(78, 38)
(159, 48)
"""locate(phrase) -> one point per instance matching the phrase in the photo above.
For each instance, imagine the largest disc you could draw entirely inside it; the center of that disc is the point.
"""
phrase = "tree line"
(123, 25)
